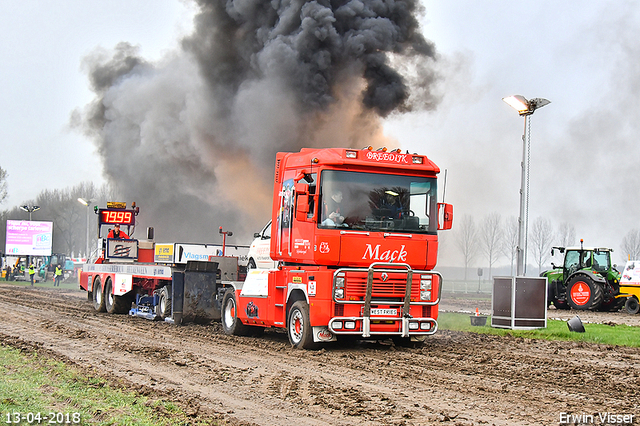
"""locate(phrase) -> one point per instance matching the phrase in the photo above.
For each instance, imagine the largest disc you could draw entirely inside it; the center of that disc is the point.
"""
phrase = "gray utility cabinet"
(519, 302)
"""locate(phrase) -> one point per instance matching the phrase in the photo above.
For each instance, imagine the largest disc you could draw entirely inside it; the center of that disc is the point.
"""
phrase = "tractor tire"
(98, 296)
(115, 304)
(163, 308)
(229, 315)
(632, 306)
(583, 293)
(299, 327)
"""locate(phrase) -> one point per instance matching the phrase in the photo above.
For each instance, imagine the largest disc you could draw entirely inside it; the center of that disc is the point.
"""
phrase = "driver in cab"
(117, 233)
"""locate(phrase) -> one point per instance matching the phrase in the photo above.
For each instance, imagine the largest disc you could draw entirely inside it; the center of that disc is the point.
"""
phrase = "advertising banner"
(29, 238)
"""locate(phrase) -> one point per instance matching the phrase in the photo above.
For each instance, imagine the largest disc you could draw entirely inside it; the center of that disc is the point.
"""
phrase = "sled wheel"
(163, 309)
(632, 306)
(299, 327)
(230, 322)
(583, 293)
(98, 296)
(115, 304)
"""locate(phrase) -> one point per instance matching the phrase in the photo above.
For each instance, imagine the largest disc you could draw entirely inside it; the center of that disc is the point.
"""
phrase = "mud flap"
(323, 334)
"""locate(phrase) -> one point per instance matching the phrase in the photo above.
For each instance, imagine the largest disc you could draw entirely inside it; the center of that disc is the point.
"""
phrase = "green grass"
(619, 335)
(71, 284)
(33, 384)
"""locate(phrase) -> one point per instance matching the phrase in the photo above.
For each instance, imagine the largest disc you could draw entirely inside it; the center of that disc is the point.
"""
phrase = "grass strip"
(35, 386)
(607, 334)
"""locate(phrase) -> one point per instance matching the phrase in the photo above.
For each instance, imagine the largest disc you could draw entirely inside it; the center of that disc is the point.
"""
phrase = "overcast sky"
(583, 56)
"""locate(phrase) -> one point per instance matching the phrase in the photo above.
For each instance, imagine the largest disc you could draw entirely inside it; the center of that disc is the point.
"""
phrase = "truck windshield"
(377, 202)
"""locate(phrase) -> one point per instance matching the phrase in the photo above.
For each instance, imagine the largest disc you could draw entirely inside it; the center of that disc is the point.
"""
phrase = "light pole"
(87, 202)
(525, 108)
(29, 209)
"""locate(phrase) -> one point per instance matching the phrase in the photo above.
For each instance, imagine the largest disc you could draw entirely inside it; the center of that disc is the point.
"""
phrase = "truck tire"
(98, 295)
(299, 327)
(115, 304)
(632, 306)
(561, 304)
(583, 293)
(163, 308)
(229, 316)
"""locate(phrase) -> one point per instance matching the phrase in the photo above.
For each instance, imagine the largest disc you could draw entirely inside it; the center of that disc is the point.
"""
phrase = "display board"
(29, 238)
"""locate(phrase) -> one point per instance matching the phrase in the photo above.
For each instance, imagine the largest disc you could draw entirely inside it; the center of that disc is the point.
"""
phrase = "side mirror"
(302, 200)
(257, 235)
(445, 216)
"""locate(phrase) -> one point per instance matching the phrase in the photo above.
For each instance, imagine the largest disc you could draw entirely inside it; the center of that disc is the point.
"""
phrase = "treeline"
(69, 216)
(494, 238)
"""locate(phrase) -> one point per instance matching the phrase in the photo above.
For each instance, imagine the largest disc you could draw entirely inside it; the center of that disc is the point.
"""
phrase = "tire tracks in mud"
(462, 378)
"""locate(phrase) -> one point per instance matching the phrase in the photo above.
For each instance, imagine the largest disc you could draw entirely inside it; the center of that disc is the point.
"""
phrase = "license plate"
(385, 312)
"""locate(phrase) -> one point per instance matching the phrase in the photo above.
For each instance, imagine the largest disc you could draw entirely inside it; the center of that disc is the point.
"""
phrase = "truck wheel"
(583, 293)
(98, 296)
(299, 327)
(115, 304)
(229, 318)
(163, 308)
(632, 306)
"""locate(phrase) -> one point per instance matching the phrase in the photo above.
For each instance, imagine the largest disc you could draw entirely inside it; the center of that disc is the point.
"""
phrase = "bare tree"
(466, 240)
(541, 241)
(491, 238)
(566, 235)
(510, 240)
(631, 245)
(3, 185)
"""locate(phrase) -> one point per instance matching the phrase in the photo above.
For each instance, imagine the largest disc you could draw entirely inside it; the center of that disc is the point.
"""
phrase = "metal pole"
(521, 237)
(86, 253)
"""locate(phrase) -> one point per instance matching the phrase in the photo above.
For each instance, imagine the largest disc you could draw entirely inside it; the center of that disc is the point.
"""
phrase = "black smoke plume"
(192, 139)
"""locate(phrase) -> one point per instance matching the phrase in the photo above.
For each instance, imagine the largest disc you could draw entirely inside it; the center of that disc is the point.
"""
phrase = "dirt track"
(453, 379)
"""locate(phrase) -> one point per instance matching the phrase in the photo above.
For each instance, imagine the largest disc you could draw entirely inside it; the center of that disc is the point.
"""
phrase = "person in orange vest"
(117, 233)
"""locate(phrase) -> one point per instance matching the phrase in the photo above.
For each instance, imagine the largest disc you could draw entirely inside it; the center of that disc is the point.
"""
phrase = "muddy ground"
(453, 379)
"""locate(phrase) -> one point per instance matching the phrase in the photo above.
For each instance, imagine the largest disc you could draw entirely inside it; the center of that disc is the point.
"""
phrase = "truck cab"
(355, 236)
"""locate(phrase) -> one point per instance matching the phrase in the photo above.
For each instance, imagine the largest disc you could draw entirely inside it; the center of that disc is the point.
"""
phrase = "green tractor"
(586, 280)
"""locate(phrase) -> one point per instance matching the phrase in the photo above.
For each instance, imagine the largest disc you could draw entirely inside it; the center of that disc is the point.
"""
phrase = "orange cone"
(477, 312)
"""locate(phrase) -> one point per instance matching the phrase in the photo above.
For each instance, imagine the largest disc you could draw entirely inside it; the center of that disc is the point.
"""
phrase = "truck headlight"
(339, 293)
(425, 282)
(425, 295)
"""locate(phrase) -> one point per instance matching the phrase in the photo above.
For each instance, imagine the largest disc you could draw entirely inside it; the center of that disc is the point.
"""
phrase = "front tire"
(98, 296)
(230, 323)
(299, 327)
(632, 306)
(583, 293)
(251, 265)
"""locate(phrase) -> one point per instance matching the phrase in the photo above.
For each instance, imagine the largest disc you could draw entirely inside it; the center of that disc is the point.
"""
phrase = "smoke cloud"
(192, 138)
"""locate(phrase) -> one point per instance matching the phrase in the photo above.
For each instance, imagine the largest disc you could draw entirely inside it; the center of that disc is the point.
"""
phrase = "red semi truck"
(354, 235)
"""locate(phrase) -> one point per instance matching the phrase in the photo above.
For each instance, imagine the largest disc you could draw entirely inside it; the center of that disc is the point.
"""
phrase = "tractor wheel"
(115, 304)
(299, 327)
(163, 308)
(230, 322)
(632, 306)
(98, 296)
(583, 293)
